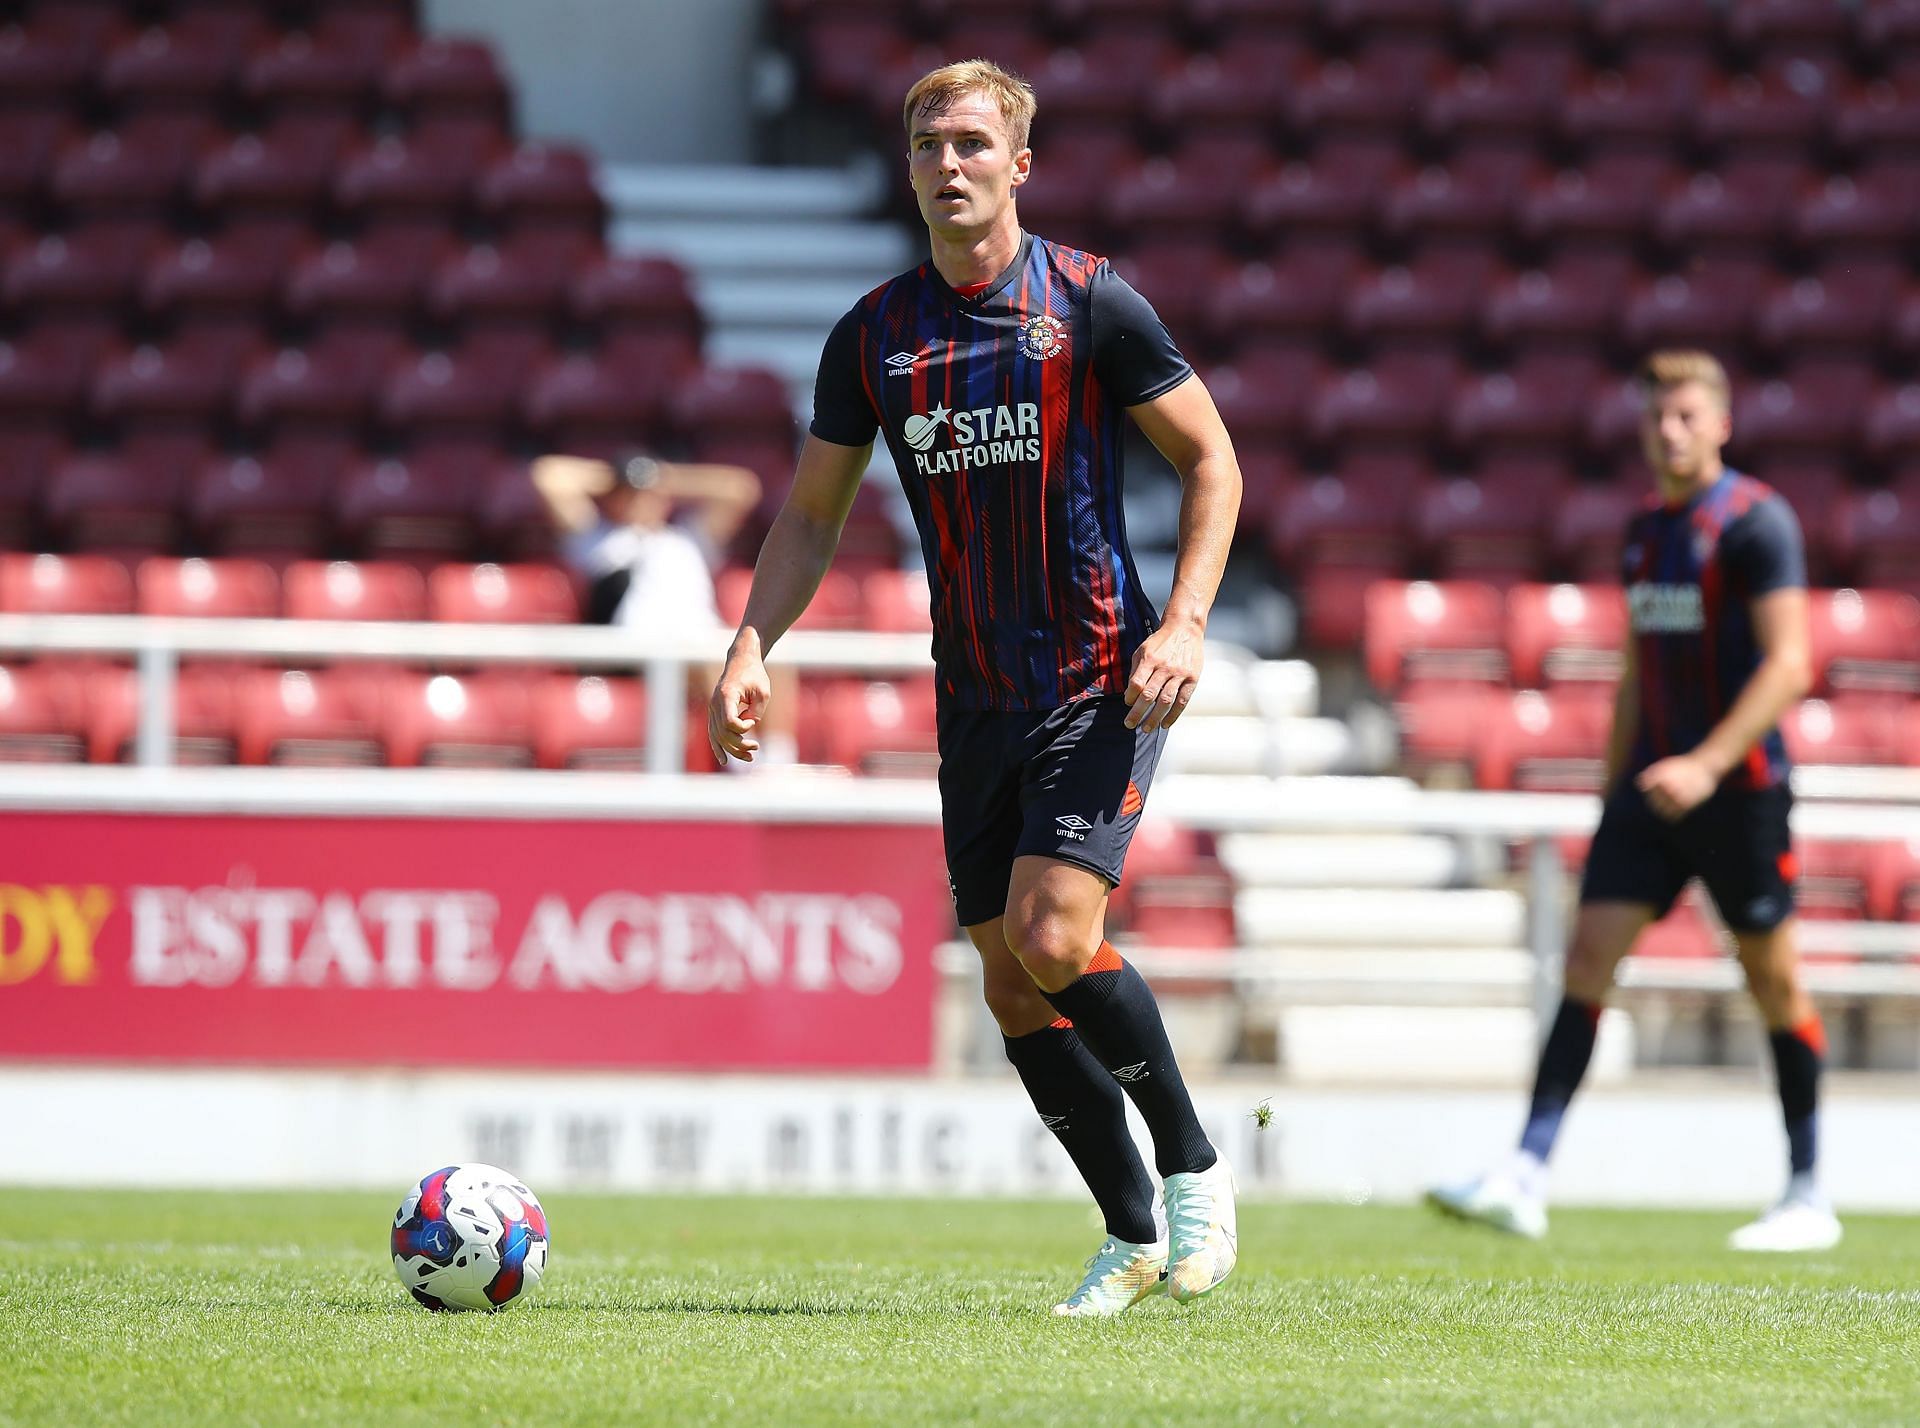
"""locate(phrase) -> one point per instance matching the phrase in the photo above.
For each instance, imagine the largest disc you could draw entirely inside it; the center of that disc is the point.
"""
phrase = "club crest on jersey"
(1042, 336)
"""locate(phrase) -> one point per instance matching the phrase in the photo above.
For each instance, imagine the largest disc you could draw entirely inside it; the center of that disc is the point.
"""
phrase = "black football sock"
(1113, 1009)
(1563, 1062)
(1798, 1055)
(1079, 1102)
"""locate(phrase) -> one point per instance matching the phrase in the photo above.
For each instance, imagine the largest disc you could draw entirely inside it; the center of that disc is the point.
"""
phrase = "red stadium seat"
(270, 506)
(395, 181)
(1739, 205)
(1234, 91)
(112, 504)
(1865, 642)
(625, 293)
(1817, 407)
(221, 285)
(1337, 194)
(64, 585)
(836, 605)
(1608, 200)
(323, 390)
(203, 716)
(595, 404)
(1894, 893)
(451, 87)
(1397, 400)
(92, 273)
(1874, 211)
(306, 719)
(1841, 308)
(1789, 28)
(843, 52)
(187, 383)
(1536, 408)
(280, 174)
(895, 601)
(41, 716)
(1506, 101)
(1436, 295)
(1441, 726)
(419, 509)
(378, 280)
(135, 172)
(191, 63)
(1194, 192)
(309, 72)
(1821, 731)
(542, 187)
(734, 401)
(1689, 931)
(1262, 395)
(869, 540)
(1181, 277)
(514, 283)
(1342, 535)
(1298, 296)
(1590, 526)
(1876, 535)
(502, 594)
(1105, 79)
(28, 141)
(354, 590)
(1611, 114)
(881, 727)
(1068, 197)
(1893, 426)
(450, 722)
(1709, 308)
(1493, 527)
(46, 65)
(1544, 743)
(1475, 197)
(28, 458)
(514, 523)
(590, 722)
(464, 395)
(1374, 93)
(1452, 631)
(1565, 634)
(228, 589)
(1752, 113)
(1835, 880)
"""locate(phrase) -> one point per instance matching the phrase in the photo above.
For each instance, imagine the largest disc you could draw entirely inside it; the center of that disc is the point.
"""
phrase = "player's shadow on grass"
(744, 1306)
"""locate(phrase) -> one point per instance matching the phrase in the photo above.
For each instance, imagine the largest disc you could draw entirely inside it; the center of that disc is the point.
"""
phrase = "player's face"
(1683, 429)
(964, 167)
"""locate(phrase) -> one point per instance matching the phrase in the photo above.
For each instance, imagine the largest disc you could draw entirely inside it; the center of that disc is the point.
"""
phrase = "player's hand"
(738, 705)
(1675, 787)
(1166, 669)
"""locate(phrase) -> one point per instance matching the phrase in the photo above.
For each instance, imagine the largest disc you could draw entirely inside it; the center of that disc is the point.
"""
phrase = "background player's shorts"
(1736, 843)
(1068, 783)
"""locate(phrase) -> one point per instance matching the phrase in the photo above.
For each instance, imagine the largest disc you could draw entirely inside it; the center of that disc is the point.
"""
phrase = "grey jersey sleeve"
(1134, 356)
(1765, 549)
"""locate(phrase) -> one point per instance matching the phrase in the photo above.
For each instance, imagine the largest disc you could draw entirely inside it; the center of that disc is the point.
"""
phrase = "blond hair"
(1664, 370)
(936, 91)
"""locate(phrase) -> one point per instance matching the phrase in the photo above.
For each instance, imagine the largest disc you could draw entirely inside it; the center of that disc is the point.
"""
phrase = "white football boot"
(1501, 1199)
(1202, 1231)
(1119, 1276)
(1801, 1221)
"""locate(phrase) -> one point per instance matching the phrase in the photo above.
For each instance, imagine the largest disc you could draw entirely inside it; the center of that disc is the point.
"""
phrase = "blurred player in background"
(1696, 786)
(999, 373)
(645, 536)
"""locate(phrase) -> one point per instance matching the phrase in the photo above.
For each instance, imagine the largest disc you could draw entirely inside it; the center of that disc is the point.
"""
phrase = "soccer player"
(998, 374)
(1696, 786)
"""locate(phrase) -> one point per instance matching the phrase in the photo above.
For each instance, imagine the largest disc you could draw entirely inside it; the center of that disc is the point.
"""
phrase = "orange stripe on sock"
(1059, 1023)
(1105, 960)
(1814, 1033)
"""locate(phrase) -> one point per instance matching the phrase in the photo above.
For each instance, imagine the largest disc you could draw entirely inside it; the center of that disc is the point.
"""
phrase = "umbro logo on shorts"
(1073, 827)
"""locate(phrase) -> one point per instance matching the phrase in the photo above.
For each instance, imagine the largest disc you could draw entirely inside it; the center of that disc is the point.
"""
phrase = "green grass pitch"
(278, 1308)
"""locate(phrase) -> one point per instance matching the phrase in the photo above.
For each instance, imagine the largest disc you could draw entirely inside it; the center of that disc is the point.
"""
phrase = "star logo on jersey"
(901, 364)
(920, 430)
(1041, 337)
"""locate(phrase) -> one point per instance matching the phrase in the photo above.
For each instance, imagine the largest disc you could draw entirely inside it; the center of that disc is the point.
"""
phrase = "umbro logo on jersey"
(901, 364)
(1135, 1072)
(1073, 827)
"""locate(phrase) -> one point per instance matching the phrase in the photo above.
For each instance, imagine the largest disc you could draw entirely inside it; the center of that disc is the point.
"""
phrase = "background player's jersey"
(1690, 572)
(1004, 411)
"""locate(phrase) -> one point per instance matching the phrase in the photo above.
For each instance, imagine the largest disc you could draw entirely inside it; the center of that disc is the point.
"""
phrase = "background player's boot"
(1202, 1232)
(1803, 1220)
(1497, 1199)
(1119, 1276)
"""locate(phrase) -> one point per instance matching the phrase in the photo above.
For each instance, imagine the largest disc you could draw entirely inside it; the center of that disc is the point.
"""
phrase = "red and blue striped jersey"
(1691, 572)
(1003, 410)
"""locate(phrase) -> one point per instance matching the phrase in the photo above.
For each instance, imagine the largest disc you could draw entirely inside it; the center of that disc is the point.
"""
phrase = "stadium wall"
(641, 81)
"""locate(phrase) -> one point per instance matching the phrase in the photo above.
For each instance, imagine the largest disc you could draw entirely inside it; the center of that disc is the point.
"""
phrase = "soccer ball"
(469, 1237)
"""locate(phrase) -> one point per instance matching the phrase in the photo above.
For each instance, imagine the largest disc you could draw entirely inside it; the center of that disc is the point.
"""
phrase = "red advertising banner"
(430, 941)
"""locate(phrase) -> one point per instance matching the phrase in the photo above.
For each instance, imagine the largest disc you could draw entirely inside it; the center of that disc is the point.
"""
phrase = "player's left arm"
(1185, 427)
(1775, 566)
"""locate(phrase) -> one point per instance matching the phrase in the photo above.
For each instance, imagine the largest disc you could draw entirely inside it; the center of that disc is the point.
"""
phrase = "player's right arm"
(1626, 715)
(568, 486)
(796, 555)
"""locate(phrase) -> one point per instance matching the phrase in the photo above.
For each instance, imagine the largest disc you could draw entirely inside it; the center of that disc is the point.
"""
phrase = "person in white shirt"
(645, 535)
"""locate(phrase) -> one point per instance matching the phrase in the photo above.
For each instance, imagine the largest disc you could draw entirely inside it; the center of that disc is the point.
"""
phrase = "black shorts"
(1067, 783)
(1736, 843)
